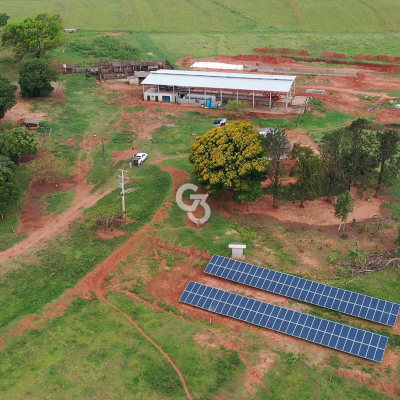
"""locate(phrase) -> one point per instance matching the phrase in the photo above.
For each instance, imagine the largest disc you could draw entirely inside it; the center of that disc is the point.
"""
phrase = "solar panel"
(317, 330)
(345, 301)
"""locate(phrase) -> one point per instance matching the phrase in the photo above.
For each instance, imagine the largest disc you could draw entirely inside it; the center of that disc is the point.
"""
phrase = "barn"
(213, 89)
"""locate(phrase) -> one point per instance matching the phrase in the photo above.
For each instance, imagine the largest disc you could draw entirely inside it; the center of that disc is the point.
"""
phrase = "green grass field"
(93, 352)
(137, 15)
(208, 28)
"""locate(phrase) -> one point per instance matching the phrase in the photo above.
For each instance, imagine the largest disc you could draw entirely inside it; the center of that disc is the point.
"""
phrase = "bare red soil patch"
(262, 60)
(389, 58)
(333, 55)
(318, 212)
(43, 228)
(370, 381)
(263, 50)
(110, 233)
(388, 116)
(255, 374)
(23, 110)
(362, 57)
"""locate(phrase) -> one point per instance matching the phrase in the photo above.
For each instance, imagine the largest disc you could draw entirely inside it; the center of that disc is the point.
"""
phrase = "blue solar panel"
(330, 334)
(345, 301)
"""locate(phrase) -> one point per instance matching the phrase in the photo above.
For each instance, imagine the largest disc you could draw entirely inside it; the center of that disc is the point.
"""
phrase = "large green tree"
(387, 148)
(230, 157)
(35, 77)
(276, 148)
(17, 142)
(309, 170)
(343, 206)
(3, 19)
(33, 37)
(331, 149)
(9, 191)
(7, 95)
(358, 159)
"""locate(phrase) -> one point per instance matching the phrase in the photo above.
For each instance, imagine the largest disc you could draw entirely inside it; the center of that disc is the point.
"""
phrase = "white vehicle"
(220, 122)
(139, 158)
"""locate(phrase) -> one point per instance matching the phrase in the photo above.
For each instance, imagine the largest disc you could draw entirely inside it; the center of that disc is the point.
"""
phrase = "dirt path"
(169, 359)
(59, 223)
(94, 282)
(381, 13)
(168, 286)
(296, 11)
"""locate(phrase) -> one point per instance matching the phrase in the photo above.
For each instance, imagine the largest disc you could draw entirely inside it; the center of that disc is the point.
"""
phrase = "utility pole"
(123, 188)
(102, 141)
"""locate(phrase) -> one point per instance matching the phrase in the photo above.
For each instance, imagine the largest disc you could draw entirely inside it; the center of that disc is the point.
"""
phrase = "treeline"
(238, 158)
(353, 156)
(30, 40)
(15, 142)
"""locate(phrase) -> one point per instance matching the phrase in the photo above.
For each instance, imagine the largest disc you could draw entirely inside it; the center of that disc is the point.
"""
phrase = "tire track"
(210, 13)
(66, 11)
(296, 11)
(127, 13)
(158, 347)
(379, 11)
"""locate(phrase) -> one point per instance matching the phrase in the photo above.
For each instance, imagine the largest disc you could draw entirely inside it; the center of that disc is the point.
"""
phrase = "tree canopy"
(309, 172)
(331, 149)
(35, 77)
(48, 168)
(387, 149)
(17, 142)
(343, 206)
(9, 191)
(239, 106)
(276, 148)
(230, 157)
(358, 159)
(33, 37)
(7, 96)
(3, 19)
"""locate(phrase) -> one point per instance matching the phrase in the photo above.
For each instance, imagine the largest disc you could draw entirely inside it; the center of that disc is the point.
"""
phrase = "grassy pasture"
(59, 201)
(208, 28)
(11, 221)
(177, 45)
(77, 356)
(92, 351)
(219, 15)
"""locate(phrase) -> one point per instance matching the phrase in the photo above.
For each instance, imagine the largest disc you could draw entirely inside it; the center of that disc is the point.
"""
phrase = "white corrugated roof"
(216, 65)
(220, 80)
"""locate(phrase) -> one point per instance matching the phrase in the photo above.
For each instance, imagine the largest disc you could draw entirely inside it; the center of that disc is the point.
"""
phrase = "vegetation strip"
(130, 319)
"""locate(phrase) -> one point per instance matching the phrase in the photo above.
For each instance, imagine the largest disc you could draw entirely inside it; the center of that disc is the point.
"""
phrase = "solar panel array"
(317, 330)
(345, 301)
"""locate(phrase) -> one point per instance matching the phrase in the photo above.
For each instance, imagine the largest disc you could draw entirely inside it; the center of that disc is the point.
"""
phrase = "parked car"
(220, 122)
(139, 158)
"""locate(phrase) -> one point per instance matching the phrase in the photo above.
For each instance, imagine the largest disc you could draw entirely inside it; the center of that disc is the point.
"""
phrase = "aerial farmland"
(155, 245)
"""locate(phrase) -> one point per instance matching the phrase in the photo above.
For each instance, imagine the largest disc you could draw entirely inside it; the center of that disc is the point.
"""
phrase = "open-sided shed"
(170, 86)
(30, 123)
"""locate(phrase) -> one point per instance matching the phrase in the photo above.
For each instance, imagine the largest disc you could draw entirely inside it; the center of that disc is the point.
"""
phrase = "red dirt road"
(61, 222)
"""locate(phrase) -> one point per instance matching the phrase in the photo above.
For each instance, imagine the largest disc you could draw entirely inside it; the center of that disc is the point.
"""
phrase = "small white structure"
(237, 249)
(217, 65)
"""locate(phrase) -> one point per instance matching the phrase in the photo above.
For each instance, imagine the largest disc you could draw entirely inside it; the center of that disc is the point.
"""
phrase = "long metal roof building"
(221, 80)
(187, 85)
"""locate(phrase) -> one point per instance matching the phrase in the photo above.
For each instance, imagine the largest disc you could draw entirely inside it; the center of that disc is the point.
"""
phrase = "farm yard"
(95, 314)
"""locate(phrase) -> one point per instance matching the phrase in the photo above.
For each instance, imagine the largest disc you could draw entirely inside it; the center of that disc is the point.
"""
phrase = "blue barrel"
(208, 103)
